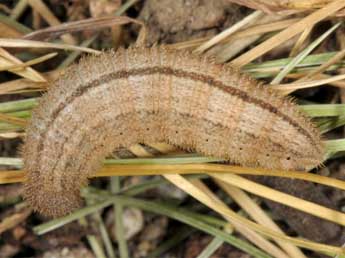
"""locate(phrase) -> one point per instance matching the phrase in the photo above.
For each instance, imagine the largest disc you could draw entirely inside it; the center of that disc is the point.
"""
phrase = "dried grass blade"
(12, 120)
(197, 193)
(22, 43)
(257, 214)
(251, 31)
(264, 28)
(221, 36)
(155, 169)
(19, 9)
(17, 67)
(251, 235)
(82, 25)
(289, 32)
(21, 84)
(296, 60)
(245, 231)
(335, 59)
(288, 88)
(11, 135)
(286, 199)
(299, 43)
(8, 31)
(12, 176)
(232, 49)
(286, 6)
(51, 19)
(7, 59)
(14, 24)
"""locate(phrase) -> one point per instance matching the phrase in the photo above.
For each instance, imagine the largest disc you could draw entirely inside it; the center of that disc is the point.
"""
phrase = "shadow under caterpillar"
(143, 95)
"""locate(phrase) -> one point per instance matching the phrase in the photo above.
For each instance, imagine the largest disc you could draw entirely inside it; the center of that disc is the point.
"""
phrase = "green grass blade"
(309, 61)
(296, 60)
(334, 146)
(159, 208)
(188, 159)
(322, 110)
(115, 185)
(211, 248)
(18, 105)
(327, 124)
(177, 238)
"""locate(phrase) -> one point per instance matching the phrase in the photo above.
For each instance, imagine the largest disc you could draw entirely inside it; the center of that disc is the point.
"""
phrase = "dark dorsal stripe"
(106, 78)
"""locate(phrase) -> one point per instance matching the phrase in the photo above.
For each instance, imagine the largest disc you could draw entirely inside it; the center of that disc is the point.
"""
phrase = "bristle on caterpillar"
(154, 94)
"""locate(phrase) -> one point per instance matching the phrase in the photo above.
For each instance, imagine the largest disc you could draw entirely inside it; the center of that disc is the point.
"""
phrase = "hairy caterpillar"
(150, 95)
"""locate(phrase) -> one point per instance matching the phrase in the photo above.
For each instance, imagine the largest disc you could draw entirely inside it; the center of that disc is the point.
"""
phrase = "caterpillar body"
(143, 95)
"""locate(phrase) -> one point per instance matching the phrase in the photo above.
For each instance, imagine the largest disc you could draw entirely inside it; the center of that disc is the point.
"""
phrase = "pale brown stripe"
(180, 74)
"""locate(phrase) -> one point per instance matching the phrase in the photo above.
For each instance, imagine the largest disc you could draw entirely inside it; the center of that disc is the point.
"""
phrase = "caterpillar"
(143, 95)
